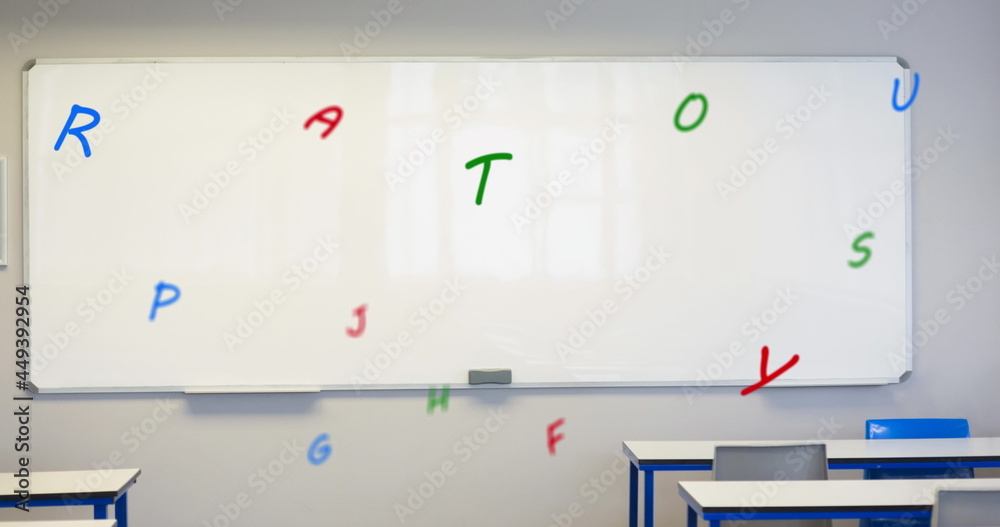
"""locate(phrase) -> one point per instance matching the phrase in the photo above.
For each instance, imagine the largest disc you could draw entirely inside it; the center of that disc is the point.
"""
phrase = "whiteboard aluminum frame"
(907, 201)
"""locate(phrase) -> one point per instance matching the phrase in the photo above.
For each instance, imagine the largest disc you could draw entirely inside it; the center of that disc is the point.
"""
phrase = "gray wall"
(208, 448)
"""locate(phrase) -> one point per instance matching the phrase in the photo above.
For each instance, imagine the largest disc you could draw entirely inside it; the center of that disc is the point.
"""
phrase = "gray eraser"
(489, 376)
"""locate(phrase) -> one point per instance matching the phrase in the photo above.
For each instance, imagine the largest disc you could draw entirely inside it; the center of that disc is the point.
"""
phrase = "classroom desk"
(717, 501)
(54, 489)
(650, 456)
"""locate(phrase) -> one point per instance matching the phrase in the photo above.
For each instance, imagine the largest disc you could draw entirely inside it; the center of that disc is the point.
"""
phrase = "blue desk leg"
(648, 512)
(121, 510)
(715, 523)
(692, 517)
(633, 496)
(100, 512)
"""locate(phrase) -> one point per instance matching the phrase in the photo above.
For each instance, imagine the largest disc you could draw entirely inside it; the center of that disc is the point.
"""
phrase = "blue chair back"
(914, 429)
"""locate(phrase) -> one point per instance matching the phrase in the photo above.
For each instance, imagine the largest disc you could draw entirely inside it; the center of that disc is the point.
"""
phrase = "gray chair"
(967, 508)
(770, 464)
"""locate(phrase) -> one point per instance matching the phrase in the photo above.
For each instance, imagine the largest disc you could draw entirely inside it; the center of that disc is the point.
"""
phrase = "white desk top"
(730, 497)
(70, 523)
(838, 451)
(55, 485)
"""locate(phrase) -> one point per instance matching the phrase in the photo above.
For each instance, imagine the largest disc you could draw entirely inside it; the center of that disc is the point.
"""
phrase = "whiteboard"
(630, 238)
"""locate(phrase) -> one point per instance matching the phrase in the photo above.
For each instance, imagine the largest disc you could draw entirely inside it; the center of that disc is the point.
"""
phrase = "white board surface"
(611, 249)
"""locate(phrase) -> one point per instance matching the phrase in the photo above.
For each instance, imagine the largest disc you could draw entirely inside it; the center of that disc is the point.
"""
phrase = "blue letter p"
(159, 302)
